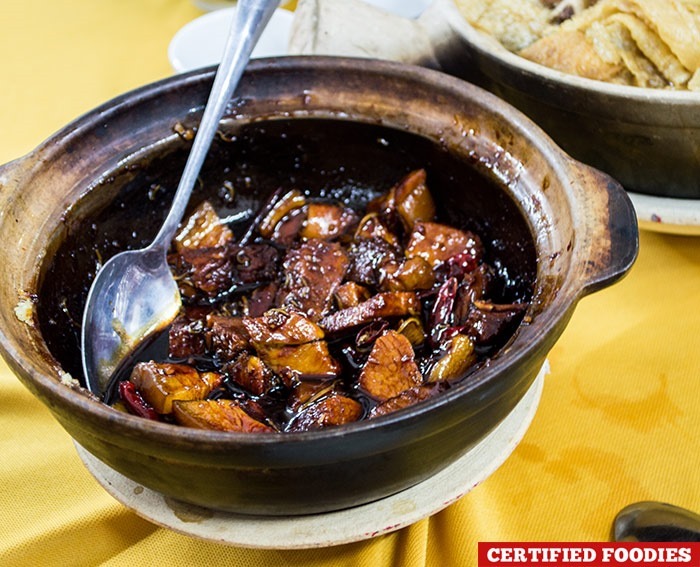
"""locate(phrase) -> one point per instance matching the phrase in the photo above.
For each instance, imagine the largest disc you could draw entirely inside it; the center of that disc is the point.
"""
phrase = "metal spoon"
(656, 521)
(134, 294)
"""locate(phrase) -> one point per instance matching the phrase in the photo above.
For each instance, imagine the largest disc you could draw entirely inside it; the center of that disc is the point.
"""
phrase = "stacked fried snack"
(644, 43)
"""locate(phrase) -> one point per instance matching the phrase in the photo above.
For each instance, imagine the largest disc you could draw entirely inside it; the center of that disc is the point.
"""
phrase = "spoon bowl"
(134, 294)
(133, 297)
(656, 521)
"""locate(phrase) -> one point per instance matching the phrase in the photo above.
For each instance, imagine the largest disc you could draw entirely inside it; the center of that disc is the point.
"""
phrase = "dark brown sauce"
(329, 159)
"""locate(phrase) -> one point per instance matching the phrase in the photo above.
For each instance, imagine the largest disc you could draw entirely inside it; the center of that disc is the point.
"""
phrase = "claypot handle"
(11, 174)
(609, 248)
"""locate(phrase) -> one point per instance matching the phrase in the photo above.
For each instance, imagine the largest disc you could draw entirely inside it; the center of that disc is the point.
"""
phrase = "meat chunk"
(291, 201)
(262, 299)
(437, 243)
(368, 260)
(216, 270)
(226, 336)
(288, 229)
(161, 384)
(406, 203)
(332, 410)
(412, 274)
(390, 304)
(186, 337)
(390, 368)
(278, 327)
(308, 391)
(312, 273)
(488, 322)
(384, 205)
(413, 199)
(251, 373)
(351, 294)
(254, 263)
(405, 399)
(371, 227)
(310, 359)
(327, 221)
(202, 229)
(221, 415)
(205, 271)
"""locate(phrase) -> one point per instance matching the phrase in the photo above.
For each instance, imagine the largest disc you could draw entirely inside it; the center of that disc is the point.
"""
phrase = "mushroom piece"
(288, 229)
(289, 202)
(412, 329)
(371, 227)
(459, 357)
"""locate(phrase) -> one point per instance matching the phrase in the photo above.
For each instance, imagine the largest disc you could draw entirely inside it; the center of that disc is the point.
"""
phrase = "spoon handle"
(250, 19)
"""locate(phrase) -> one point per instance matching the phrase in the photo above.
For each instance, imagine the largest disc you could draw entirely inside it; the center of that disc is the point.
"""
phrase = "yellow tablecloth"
(619, 420)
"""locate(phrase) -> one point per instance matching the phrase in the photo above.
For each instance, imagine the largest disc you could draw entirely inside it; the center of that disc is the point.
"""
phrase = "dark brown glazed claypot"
(578, 222)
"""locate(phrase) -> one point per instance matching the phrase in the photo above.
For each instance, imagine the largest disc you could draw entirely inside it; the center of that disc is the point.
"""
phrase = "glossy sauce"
(330, 160)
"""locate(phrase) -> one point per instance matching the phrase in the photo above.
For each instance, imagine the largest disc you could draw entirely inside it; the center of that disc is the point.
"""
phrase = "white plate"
(405, 8)
(200, 43)
(663, 214)
(333, 528)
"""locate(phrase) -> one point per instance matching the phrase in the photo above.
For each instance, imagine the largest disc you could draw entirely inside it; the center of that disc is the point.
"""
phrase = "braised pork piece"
(319, 315)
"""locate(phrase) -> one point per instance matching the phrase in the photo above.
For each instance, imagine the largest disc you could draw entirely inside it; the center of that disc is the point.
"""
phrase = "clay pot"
(578, 224)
